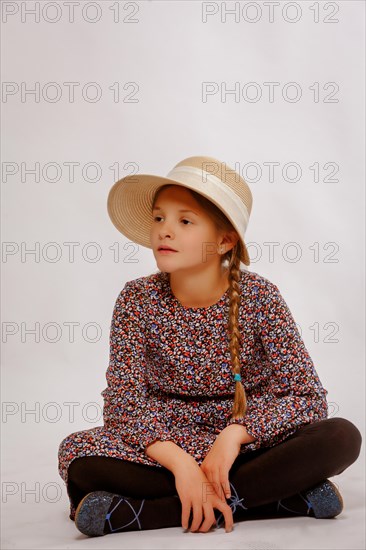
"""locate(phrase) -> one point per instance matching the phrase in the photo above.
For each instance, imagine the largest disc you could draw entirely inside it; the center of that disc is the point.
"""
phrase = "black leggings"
(260, 479)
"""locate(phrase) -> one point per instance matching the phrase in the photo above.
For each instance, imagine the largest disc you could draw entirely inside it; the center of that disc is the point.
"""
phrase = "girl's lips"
(166, 251)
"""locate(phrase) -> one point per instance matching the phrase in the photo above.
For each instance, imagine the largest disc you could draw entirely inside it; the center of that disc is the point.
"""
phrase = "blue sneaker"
(325, 500)
(94, 511)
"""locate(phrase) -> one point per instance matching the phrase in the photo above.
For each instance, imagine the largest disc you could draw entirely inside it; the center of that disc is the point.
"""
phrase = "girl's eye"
(159, 218)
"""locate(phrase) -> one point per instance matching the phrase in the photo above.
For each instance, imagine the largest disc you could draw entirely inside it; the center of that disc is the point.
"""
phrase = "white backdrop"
(274, 89)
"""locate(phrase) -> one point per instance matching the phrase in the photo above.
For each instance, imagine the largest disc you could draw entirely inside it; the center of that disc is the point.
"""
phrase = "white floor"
(39, 519)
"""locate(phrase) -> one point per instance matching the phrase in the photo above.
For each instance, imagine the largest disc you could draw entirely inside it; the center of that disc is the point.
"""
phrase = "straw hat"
(130, 198)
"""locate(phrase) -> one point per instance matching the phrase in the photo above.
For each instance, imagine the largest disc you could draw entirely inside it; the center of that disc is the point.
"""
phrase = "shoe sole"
(91, 513)
(80, 505)
(326, 500)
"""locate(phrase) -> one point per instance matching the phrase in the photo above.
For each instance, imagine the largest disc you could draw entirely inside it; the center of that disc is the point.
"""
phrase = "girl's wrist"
(168, 454)
(242, 434)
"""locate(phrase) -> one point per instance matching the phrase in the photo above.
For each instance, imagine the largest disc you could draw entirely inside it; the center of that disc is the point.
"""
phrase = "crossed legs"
(260, 481)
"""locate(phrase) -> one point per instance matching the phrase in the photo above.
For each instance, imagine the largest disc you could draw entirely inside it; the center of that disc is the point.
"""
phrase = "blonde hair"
(233, 258)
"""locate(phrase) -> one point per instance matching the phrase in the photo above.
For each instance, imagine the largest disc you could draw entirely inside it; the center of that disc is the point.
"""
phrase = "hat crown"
(220, 170)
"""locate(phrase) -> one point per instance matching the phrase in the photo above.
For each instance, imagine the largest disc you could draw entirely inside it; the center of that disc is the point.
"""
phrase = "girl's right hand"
(196, 493)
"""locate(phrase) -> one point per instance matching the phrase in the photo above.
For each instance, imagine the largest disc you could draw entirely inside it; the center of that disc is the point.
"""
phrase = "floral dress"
(170, 378)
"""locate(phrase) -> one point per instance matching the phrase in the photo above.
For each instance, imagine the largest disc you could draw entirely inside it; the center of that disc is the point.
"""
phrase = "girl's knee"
(346, 435)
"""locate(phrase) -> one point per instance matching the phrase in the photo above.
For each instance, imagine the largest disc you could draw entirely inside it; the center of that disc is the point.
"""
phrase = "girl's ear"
(230, 239)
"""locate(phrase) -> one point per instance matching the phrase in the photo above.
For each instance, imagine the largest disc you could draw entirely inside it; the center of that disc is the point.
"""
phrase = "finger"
(218, 488)
(186, 510)
(207, 524)
(224, 482)
(226, 487)
(197, 518)
(228, 517)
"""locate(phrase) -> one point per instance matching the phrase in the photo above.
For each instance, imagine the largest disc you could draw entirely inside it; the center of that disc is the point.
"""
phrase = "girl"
(213, 409)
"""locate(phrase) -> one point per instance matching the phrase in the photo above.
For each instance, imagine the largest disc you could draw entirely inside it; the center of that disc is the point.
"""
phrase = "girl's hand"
(220, 458)
(196, 494)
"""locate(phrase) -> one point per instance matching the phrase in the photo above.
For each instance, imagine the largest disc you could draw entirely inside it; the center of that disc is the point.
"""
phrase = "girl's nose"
(165, 231)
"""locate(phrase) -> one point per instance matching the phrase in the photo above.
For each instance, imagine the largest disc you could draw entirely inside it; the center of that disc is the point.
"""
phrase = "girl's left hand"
(220, 458)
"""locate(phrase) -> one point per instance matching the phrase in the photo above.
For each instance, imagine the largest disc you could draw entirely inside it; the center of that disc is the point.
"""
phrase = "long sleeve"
(293, 395)
(129, 409)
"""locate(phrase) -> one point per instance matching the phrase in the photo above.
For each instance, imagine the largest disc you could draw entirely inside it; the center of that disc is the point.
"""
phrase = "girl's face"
(192, 234)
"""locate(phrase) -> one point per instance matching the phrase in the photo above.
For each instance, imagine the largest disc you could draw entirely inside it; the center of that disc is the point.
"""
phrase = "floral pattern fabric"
(169, 375)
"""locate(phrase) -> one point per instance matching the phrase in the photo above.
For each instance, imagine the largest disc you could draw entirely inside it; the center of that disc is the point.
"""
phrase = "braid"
(240, 400)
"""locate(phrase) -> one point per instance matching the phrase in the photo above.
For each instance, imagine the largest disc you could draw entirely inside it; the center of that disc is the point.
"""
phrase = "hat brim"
(129, 206)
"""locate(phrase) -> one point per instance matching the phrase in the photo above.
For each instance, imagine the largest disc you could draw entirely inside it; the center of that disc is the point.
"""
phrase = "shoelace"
(136, 518)
(279, 504)
(234, 502)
